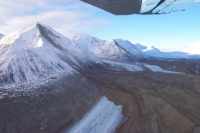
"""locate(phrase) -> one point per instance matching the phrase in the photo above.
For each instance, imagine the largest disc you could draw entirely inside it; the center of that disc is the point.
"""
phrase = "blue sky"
(170, 32)
(177, 31)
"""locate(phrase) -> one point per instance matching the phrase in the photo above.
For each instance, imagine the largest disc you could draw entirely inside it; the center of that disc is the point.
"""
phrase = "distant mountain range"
(39, 52)
(117, 49)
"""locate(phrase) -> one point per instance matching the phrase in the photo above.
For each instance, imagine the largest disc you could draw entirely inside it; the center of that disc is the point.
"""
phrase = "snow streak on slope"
(124, 66)
(34, 54)
(136, 67)
(105, 117)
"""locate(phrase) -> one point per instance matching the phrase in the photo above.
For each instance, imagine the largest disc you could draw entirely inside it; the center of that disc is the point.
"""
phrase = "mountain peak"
(33, 37)
(25, 36)
(35, 53)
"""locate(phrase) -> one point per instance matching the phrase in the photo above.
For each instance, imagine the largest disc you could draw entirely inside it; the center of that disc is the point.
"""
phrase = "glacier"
(104, 117)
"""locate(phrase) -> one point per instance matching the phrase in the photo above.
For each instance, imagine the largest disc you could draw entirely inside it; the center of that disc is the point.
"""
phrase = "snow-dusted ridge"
(136, 67)
(105, 117)
(100, 48)
(123, 50)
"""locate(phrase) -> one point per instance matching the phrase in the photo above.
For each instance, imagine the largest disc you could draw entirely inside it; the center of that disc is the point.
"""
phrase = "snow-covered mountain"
(36, 53)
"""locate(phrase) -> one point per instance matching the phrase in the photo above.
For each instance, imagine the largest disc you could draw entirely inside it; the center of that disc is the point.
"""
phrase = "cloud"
(64, 15)
(193, 48)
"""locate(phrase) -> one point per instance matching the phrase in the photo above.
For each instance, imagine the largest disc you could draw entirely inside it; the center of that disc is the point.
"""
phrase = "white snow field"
(105, 117)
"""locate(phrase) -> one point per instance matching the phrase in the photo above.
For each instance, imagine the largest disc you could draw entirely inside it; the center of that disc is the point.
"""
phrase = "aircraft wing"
(117, 7)
(125, 7)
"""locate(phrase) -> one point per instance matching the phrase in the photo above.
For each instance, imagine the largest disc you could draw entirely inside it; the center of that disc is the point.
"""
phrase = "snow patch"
(155, 68)
(124, 66)
(136, 67)
(105, 117)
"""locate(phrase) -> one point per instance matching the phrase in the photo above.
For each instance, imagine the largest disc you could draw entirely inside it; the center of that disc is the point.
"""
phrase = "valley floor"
(152, 103)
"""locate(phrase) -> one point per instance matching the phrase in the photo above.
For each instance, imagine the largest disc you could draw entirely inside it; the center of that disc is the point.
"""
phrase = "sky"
(178, 31)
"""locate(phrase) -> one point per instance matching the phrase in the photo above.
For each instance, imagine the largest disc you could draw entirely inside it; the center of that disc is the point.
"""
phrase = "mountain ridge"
(133, 49)
(40, 52)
